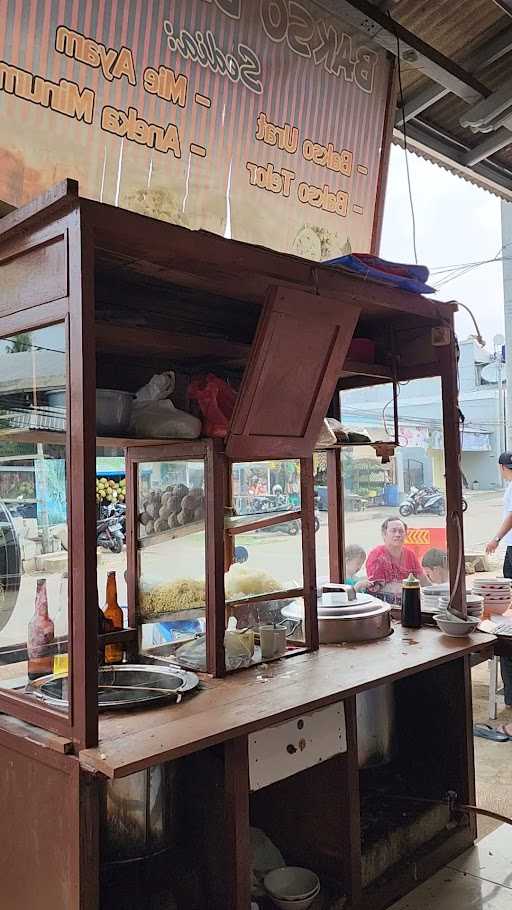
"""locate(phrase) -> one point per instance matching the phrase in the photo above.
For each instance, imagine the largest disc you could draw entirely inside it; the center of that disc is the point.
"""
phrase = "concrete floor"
(493, 760)
(480, 879)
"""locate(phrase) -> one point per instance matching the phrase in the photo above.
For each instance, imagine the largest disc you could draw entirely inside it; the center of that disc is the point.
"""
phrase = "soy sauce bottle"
(411, 603)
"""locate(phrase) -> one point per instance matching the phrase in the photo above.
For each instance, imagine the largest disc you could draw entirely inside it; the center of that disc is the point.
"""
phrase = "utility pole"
(506, 252)
(501, 431)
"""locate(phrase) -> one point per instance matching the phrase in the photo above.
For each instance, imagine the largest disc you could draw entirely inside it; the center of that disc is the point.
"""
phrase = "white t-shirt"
(507, 508)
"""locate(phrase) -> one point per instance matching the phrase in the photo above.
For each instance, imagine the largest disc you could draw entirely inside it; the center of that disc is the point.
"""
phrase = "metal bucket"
(376, 726)
(139, 820)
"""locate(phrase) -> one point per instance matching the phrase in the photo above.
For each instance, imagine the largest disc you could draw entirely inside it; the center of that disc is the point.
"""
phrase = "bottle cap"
(410, 582)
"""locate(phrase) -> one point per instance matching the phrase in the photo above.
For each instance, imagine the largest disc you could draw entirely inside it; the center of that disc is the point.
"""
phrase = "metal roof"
(456, 73)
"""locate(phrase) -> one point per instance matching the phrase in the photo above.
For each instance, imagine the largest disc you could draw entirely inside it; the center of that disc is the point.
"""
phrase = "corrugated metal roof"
(458, 32)
(454, 29)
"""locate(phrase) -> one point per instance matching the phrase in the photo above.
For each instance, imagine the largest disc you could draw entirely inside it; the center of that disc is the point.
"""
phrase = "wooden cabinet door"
(296, 358)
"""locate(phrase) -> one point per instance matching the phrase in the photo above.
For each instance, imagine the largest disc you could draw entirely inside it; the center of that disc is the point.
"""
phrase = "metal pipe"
(452, 804)
(506, 234)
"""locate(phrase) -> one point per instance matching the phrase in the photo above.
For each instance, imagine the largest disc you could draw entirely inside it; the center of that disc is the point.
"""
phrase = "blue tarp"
(400, 275)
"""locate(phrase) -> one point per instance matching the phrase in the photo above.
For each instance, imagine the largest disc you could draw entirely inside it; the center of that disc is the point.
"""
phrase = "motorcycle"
(428, 499)
(109, 530)
(287, 527)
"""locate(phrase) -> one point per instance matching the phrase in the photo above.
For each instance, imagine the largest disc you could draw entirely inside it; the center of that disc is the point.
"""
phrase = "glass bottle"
(411, 603)
(40, 636)
(113, 612)
(60, 621)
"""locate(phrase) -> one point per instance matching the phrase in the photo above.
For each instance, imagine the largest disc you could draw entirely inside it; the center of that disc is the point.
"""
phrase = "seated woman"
(389, 564)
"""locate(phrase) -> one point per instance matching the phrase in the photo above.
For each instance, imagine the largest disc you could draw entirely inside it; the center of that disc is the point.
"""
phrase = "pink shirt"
(381, 567)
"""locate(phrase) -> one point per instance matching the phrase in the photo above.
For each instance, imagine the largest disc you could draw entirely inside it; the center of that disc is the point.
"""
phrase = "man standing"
(388, 565)
(505, 534)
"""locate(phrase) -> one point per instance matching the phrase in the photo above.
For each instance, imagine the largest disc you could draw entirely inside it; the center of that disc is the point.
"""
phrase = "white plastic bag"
(154, 415)
(265, 857)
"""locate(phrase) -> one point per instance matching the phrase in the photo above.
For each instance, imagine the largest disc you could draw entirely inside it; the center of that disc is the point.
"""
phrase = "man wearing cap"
(505, 535)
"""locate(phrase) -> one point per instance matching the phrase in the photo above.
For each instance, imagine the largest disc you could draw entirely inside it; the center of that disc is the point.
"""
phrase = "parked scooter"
(428, 499)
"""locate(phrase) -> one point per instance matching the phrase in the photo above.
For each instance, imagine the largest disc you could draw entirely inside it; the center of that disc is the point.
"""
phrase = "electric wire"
(404, 131)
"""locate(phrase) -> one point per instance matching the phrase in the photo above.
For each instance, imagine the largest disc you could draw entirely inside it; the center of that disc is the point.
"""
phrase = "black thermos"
(411, 603)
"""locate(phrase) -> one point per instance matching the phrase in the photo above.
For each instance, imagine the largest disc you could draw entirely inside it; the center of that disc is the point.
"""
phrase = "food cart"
(154, 806)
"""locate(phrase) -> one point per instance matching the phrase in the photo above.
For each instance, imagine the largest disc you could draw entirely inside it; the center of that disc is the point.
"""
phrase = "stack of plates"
(474, 601)
(496, 593)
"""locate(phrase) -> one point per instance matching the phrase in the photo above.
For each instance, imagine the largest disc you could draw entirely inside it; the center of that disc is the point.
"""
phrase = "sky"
(456, 223)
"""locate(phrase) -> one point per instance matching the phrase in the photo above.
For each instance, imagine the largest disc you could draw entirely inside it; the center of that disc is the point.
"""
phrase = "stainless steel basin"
(376, 726)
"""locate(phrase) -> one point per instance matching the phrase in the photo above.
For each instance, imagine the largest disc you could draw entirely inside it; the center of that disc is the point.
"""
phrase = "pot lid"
(364, 605)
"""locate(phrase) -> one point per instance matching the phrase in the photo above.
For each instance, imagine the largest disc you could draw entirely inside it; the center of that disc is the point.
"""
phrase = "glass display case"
(34, 547)
(211, 601)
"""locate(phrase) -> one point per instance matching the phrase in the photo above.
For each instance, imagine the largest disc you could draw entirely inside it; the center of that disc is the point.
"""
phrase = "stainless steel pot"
(344, 616)
(138, 817)
(376, 726)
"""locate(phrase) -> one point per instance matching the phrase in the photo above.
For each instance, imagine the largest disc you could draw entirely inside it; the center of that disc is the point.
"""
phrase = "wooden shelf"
(241, 523)
(57, 438)
(118, 339)
(237, 525)
(290, 594)
(354, 368)
(172, 534)
(172, 615)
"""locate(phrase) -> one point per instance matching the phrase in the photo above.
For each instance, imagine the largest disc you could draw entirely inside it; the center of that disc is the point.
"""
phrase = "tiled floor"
(480, 879)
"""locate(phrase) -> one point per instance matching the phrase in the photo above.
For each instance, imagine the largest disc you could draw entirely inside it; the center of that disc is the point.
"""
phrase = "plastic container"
(362, 350)
(113, 411)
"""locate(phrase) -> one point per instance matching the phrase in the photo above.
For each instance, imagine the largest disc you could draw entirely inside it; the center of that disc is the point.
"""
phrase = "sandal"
(488, 732)
(504, 728)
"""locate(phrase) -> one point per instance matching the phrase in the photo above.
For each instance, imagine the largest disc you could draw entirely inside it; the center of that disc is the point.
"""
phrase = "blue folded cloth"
(411, 278)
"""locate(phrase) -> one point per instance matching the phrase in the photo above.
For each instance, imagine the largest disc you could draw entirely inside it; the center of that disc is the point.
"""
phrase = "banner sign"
(260, 120)
(422, 539)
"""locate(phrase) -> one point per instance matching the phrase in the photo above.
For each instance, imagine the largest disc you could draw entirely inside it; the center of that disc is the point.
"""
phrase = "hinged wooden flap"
(296, 358)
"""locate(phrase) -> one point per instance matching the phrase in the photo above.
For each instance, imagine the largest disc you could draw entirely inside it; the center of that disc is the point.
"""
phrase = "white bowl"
(291, 883)
(455, 627)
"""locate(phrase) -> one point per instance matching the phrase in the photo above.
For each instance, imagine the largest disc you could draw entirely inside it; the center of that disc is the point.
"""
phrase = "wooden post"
(335, 516)
(307, 501)
(335, 503)
(468, 751)
(215, 597)
(88, 822)
(229, 540)
(132, 553)
(81, 430)
(237, 846)
(454, 525)
(351, 808)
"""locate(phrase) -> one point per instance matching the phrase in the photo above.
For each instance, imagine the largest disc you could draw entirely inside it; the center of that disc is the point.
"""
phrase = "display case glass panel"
(261, 487)
(34, 601)
(171, 547)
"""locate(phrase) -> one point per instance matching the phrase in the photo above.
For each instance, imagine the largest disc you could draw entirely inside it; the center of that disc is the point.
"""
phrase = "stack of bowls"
(430, 595)
(495, 592)
(474, 602)
(292, 888)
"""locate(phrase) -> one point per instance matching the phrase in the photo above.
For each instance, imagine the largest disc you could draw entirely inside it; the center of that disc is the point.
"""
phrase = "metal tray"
(122, 686)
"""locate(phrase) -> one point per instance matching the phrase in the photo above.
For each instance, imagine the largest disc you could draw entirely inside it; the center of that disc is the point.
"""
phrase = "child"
(354, 560)
(435, 565)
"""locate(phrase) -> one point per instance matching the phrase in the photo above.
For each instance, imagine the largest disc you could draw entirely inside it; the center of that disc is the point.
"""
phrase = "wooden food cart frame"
(280, 327)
